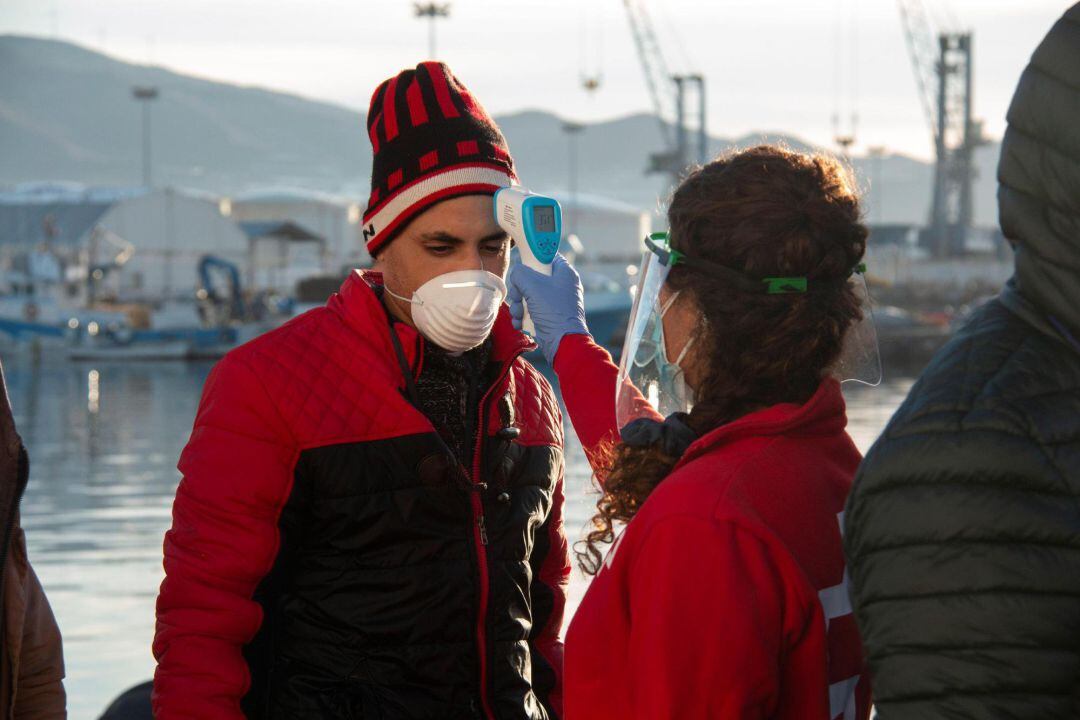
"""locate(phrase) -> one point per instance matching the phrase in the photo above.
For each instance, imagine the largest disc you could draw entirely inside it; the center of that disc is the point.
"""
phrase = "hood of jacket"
(1039, 177)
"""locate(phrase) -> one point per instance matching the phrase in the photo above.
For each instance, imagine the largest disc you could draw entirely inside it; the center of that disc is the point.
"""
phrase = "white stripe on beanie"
(430, 185)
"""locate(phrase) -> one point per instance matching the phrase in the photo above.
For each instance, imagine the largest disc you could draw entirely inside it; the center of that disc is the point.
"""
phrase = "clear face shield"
(652, 385)
(646, 383)
(860, 355)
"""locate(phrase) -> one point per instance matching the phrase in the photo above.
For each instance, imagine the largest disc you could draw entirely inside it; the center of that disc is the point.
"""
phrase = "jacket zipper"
(480, 535)
(480, 539)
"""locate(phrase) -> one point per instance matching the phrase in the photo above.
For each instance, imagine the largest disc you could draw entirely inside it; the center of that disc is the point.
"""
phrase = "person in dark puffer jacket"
(963, 528)
(369, 523)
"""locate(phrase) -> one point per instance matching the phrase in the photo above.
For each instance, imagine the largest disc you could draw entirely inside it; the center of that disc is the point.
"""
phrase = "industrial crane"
(943, 72)
(669, 96)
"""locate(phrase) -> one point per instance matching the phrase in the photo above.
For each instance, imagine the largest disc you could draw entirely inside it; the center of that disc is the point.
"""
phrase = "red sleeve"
(587, 379)
(548, 591)
(707, 623)
(237, 474)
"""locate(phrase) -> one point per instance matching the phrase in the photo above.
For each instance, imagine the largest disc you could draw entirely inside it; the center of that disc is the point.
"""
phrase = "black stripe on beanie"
(399, 158)
(427, 92)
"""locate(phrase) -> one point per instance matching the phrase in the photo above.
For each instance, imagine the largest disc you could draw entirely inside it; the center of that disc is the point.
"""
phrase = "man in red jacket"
(370, 518)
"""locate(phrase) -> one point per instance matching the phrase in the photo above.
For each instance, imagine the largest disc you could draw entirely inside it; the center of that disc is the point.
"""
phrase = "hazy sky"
(769, 64)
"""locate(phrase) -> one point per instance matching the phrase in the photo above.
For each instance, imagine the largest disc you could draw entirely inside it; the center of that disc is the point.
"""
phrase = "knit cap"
(431, 141)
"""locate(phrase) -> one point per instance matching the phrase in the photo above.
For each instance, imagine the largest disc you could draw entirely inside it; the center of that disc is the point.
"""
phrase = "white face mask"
(672, 376)
(456, 310)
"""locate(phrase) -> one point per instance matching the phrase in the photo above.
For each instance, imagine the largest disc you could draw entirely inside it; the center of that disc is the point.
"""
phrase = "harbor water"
(104, 440)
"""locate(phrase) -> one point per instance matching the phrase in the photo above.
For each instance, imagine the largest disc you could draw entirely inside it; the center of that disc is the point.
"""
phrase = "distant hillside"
(66, 113)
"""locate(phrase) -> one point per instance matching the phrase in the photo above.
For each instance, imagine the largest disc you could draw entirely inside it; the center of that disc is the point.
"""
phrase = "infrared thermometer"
(535, 224)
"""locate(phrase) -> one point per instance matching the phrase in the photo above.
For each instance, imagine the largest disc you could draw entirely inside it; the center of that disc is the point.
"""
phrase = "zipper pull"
(483, 530)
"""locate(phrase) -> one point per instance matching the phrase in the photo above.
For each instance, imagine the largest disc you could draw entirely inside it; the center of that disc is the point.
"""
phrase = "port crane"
(669, 94)
(942, 64)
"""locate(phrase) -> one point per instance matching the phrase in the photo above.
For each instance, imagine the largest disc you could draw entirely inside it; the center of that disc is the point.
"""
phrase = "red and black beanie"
(431, 141)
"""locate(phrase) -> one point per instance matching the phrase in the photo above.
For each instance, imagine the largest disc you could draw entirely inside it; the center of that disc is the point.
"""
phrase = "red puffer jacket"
(726, 595)
(331, 558)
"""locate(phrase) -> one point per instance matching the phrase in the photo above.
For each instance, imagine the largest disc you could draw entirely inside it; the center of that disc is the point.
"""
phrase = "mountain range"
(67, 114)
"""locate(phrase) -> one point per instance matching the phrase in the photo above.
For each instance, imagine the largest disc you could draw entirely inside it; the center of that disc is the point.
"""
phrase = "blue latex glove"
(556, 303)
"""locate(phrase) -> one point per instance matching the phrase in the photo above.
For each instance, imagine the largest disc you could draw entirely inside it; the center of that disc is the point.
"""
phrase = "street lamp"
(432, 11)
(145, 94)
(572, 130)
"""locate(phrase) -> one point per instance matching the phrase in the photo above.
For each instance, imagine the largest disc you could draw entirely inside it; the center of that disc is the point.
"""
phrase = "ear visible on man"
(388, 264)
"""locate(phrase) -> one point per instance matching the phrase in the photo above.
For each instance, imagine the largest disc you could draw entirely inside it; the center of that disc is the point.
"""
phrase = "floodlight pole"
(145, 94)
(432, 11)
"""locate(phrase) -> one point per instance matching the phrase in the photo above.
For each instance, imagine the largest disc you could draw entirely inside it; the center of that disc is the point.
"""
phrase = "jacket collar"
(358, 303)
(1019, 305)
(823, 414)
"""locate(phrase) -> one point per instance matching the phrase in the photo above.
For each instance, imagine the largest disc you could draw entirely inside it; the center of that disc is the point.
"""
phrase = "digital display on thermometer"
(544, 218)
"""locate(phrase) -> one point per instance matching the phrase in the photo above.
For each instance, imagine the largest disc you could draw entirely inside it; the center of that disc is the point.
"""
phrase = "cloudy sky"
(783, 65)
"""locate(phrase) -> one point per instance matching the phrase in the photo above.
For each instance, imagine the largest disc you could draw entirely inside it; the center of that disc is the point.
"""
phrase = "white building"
(282, 254)
(144, 245)
(334, 219)
(610, 234)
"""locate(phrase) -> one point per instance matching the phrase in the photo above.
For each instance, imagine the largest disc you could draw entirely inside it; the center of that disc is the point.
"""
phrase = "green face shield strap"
(647, 387)
(657, 243)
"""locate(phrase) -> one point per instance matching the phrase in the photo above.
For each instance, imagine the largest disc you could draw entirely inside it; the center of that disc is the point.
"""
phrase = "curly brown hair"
(766, 212)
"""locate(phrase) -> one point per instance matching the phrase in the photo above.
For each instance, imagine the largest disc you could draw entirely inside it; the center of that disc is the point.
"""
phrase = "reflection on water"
(103, 442)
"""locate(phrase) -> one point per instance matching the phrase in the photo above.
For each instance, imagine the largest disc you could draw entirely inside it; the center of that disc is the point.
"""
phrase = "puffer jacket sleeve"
(964, 557)
(237, 474)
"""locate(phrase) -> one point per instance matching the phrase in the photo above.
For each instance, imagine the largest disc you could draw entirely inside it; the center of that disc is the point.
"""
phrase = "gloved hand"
(556, 303)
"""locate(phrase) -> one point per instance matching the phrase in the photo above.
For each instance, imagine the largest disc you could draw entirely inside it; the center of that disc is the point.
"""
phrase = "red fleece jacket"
(726, 595)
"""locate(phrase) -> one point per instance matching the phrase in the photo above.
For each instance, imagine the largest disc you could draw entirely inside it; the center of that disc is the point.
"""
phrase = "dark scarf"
(449, 389)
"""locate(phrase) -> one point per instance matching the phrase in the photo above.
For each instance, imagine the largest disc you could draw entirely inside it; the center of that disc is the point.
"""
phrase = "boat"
(607, 310)
(52, 318)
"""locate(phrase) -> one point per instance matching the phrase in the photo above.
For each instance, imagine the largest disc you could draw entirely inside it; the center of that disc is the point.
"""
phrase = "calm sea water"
(103, 442)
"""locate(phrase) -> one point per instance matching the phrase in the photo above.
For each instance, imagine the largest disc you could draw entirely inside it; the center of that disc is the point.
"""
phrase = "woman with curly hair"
(724, 595)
